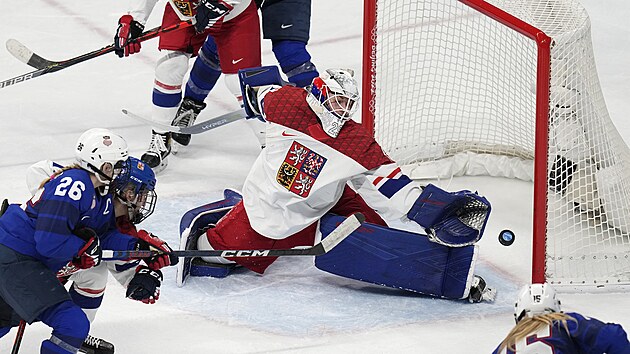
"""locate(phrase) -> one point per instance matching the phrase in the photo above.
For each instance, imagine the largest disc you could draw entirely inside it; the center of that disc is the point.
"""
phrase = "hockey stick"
(18, 337)
(26, 55)
(195, 128)
(333, 239)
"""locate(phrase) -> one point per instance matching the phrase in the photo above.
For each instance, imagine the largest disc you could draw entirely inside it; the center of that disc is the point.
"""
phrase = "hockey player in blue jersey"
(134, 199)
(541, 327)
(68, 221)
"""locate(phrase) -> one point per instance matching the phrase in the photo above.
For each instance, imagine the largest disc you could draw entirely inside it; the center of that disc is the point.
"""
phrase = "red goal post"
(402, 39)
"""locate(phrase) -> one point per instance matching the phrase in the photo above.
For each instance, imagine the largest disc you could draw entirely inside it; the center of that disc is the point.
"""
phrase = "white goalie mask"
(334, 98)
(535, 299)
(97, 147)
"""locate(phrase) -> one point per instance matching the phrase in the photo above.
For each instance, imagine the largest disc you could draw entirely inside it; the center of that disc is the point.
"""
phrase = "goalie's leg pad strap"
(401, 259)
(200, 268)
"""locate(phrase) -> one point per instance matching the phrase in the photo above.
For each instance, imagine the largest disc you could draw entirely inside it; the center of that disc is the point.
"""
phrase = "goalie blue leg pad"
(200, 268)
(191, 226)
(400, 259)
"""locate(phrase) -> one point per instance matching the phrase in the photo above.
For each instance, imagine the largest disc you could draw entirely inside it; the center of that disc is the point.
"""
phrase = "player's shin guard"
(295, 62)
(401, 259)
(70, 328)
(167, 88)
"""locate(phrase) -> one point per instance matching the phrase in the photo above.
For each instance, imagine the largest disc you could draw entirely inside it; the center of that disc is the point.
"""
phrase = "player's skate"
(159, 149)
(93, 345)
(480, 291)
(185, 117)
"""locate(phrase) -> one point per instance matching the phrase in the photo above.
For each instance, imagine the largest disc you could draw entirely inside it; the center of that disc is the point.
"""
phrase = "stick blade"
(25, 55)
(18, 50)
(151, 122)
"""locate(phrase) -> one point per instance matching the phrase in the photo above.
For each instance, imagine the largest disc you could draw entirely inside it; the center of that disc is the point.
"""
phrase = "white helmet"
(535, 299)
(98, 146)
(334, 98)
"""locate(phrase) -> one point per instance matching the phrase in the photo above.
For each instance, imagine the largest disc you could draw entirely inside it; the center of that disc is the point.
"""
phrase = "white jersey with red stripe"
(302, 172)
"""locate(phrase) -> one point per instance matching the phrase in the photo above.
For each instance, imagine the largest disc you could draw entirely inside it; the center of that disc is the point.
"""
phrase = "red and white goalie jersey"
(302, 172)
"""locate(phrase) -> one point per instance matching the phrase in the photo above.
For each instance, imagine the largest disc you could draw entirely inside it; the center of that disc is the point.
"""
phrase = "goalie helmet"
(135, 187)
(334, 98)
(535, 299)
(97, 147)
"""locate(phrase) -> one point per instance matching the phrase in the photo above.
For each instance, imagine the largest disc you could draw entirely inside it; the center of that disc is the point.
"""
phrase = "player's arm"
(449, 218)
(40, 172)
(595, 336)
(387, 190)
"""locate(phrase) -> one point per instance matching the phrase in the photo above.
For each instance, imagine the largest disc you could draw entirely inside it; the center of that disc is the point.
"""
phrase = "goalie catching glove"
(145, 285)
(454, 219)
(149, 242)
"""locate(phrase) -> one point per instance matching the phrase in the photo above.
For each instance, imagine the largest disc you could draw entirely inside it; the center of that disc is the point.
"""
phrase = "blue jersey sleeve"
(117, 241)
(594, 336)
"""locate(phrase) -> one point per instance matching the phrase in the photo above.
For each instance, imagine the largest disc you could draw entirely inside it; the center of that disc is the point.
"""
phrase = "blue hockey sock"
(295, 62)
(205, 72)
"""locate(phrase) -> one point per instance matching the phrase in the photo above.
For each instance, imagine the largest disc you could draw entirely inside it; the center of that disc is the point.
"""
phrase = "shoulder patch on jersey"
(184, 7)
(300, 169)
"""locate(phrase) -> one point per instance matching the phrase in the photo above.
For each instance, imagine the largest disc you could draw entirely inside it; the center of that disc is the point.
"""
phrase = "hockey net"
(506, 88)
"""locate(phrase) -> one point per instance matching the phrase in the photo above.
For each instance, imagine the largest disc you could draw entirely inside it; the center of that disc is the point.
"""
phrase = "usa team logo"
(300, 169)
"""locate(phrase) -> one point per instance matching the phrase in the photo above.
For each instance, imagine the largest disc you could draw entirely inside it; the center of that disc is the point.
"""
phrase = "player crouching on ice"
(133, 200)
(305, 173)
(130, 193)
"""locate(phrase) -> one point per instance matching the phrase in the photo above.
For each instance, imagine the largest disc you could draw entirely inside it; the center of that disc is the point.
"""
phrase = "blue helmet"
(135, 187)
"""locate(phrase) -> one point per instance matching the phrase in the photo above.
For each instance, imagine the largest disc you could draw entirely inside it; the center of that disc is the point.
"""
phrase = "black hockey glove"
(128, 30)
(145, 285)
(209, 12)
(91, 253)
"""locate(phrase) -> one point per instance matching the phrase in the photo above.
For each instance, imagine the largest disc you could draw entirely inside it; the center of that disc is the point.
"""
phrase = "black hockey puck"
(506, 237)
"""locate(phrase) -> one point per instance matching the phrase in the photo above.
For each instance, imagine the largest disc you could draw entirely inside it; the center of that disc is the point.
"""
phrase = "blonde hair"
(529, 325)
(57, 173)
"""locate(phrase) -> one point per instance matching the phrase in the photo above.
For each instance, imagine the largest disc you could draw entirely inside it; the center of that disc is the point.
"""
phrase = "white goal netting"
(456, 94)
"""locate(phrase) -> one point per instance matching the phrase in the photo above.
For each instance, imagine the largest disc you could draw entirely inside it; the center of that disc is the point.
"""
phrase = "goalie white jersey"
(302, 172)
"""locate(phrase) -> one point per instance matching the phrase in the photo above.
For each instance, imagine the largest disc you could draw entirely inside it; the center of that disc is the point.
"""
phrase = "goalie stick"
(342, 231)
(195, 128)
(25, 55)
